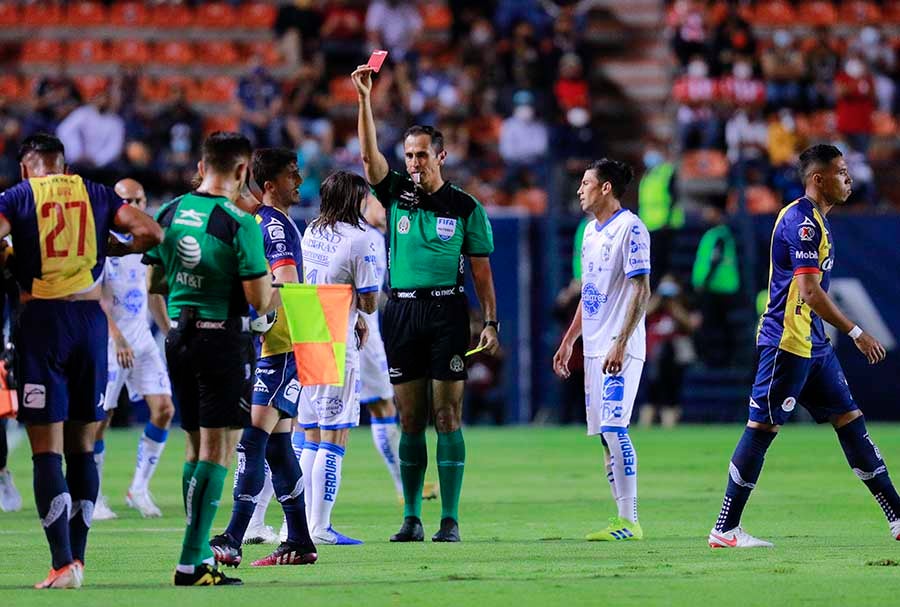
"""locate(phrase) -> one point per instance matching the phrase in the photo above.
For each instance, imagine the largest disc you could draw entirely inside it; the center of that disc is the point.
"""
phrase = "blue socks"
(51, 495)
(743, 472)
(288, 484)
(865, 460)
(251, 476)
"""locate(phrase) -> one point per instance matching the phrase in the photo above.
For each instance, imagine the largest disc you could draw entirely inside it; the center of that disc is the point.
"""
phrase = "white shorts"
(331, 407)
(147, 376)
(373, 368)
(610, 398)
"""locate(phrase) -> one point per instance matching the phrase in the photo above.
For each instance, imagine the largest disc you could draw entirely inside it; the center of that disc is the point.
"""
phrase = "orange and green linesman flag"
(317, 317)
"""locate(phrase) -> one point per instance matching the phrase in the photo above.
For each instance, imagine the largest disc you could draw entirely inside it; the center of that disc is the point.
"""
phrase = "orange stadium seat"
(42, 51)
(258, 15)
(81, 14)
(892, 12)
(172, 16)
(149, 89)
(436, 17)
(703, 164)
(43, 14)
(773, 13)
(220, 122)
(11, 87)
(855, 12)
(168, 84)
(817, 13)
(130, 52)
(884, 124)
(174, 53)
(342, 91)
(129, 14)
(218, 89)
(217, 52)
(86, 51)
(267, 53)
(9, 14)
(216, 15)
(89, 86)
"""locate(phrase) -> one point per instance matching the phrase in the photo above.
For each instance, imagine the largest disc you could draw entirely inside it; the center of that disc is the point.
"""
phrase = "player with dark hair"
(214, 264)
(433, 226)
(615, 289)
(797, 362)
(276, 390)
(61, 226)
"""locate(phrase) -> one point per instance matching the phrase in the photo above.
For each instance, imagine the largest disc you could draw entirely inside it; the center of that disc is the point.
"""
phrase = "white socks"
(150, 448)
(307, 460)
(623, 462)
(262, 501)
(326, 481)
(386, 436)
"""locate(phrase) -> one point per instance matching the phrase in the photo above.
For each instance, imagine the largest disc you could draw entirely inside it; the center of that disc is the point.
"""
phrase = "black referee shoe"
(410, 531)
(449, 531)
(205, 575)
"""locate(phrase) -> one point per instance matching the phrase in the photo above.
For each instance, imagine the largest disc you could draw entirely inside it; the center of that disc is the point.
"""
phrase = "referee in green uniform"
(214, 263)
(432, 226)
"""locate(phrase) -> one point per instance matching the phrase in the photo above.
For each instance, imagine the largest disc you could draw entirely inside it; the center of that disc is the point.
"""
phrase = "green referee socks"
(451, 461)
(186, 473)
(204, 491)
(413, 463)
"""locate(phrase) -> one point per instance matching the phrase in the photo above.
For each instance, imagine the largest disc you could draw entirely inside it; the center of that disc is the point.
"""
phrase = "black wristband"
(492, 323)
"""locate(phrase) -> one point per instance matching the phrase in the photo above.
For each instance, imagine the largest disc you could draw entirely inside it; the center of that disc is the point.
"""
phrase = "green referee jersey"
(430, 233)
(210, 246)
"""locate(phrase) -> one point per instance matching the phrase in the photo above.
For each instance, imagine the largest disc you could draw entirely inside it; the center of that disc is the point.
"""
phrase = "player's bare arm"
(261, 295)
(564, 353)
(637, 305)
(124, 352)
(156, 303)
(484, 288)
(362, 332)
(820, 303)
(145, 232)
(374, 162)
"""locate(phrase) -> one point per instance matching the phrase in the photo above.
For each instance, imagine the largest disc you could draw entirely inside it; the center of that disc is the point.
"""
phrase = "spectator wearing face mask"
(698, 124)
(524, 140)
(783, 68)
(855, 92)
(880, 58)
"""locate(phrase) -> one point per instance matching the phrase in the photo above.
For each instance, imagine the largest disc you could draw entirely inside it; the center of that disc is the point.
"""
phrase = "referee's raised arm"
(376, 166)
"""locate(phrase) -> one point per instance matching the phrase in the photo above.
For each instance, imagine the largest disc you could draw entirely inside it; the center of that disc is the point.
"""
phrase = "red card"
(376, 60)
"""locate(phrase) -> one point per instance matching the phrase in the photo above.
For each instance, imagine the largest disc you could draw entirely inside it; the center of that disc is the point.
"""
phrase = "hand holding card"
(376, 60)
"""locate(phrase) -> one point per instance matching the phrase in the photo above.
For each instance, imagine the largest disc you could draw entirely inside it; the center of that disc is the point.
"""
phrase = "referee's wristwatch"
(492, 323)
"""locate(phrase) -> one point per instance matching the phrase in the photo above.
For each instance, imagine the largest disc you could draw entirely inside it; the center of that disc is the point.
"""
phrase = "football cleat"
(410, 531)
(289, 553)
(449, 531)
(142, 501)
(68, 576)
(895, 530)
(430, 491)
(102, 511)
(260, 534)
(736, 538)
(226, 550)
(618, 529)
(10, 499)
(334, 538)
(283, 532)
(205, 575)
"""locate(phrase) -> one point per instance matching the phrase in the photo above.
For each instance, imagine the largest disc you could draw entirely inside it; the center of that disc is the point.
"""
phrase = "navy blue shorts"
(784, 380)
(276, 384)
(61, 361)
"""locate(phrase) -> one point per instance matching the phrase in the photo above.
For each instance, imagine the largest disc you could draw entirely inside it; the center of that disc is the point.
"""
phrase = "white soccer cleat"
(260, 534)
(736, 538)
(283, 532)
(102, 511)
(10, 499)
(141, 501)
(895, 530)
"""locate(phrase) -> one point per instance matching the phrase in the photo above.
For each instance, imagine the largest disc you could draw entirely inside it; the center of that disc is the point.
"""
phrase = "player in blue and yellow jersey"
(60, 226)
(797, 363)
(276, 389)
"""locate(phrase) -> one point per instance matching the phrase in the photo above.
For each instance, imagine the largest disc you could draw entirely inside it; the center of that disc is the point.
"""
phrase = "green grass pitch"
(529, 497)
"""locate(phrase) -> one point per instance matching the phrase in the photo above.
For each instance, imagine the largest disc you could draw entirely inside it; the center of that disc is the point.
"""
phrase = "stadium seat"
(43, 14)
(86, 51)
(436, 17)
(168, 84)
(11, 87)
(817, 125)
(859, 12)
(342, 91)
(703, 164)
(130, 52)
(884, 124)
(817, 13)
(89, 86)
(892, 12)
(773, 13)
(266, 52)
(174, 53)
(42, 51)
(129, 14)
(220, 122)
(218, 89)
(149, 89)
(258, 15)
(9, 14)
(86, 14)
(172, 16)
(217, 52)
(215, 15)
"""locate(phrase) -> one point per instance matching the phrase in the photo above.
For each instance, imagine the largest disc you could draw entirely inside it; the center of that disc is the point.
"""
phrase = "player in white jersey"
(337, 249)
(615, 290)
(134, 361)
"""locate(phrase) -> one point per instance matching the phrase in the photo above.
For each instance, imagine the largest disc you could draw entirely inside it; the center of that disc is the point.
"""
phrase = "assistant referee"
(432, 226)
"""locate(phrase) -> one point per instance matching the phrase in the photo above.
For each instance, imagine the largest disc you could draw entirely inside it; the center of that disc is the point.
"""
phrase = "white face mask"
(698, 69)
(742, 71)
(787, 121)
(481, 35)
(782, 39)
(854, 68)
(578, 117)
(524, 112)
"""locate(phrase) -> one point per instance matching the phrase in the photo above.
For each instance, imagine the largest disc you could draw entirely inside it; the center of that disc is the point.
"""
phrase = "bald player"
(135, 362)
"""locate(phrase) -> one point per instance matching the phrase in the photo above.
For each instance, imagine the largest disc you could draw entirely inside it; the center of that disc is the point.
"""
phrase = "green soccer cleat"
(619, 529)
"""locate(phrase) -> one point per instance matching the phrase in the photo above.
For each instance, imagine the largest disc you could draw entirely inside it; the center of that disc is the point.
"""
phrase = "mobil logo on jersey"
(446, 228)
(592, 298)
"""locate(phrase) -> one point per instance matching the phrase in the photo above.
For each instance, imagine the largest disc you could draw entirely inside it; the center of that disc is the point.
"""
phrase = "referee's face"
(422, 164)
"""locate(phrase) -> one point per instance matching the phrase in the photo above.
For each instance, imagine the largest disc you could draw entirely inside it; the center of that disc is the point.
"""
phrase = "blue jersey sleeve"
(280, 241)
(13, 202)
(803, 235)
(636, 255)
